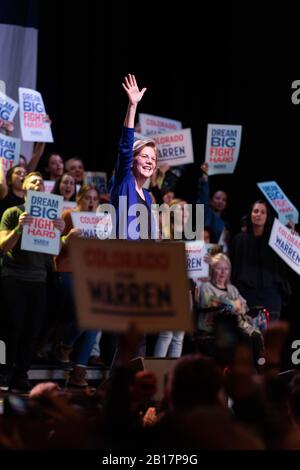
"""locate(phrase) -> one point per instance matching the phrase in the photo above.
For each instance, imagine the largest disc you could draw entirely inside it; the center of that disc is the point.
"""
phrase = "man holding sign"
(23, 292)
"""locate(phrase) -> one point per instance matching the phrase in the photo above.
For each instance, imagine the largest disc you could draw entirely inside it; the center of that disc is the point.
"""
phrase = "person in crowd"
(11, 192)
(156, 183)
(220, 292)
(170, 343)
(214, 213)
(82, 341)
(65, 186)
(136, 163)
(54, 167)
(23, 291)
(11, 187)
(75, 167)
(257, 271)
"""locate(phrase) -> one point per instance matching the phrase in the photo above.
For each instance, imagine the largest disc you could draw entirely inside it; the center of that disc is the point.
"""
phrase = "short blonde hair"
(140, 144)
(29, 175)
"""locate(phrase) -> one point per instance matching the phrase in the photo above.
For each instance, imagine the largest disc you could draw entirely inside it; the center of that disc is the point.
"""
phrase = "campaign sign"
(118, 282)
(98, 179)
(139, 136)
(9, 151)
(33, 117)
(8, 107)
(41, 235)
(196, 265)
(2, 86)
(279, 201)
(157, 125)
(213, 249)
(175, 148)
(68, 205)
(286, 245)
(48, 186)
(93, 225)
(222, 148)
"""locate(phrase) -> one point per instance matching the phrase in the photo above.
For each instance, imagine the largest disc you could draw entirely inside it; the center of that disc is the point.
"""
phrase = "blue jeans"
(169, 343)
(84, 339)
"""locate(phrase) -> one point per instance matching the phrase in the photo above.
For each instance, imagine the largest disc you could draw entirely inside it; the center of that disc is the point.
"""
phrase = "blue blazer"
(124, 185)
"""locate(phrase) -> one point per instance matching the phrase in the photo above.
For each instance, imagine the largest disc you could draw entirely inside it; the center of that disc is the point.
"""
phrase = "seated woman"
(220, 292)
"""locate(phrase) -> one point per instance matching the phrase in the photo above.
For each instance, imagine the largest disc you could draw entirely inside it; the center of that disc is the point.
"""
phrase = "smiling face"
(67, 187)
(74, 166)
(144, 162)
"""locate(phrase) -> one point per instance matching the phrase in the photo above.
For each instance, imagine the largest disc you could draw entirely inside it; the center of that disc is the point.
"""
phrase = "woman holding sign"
(257, 270)
(23, 291)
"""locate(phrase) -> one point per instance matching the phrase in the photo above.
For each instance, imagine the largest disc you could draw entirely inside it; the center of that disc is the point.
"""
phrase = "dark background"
(207, 63)
(204, 63)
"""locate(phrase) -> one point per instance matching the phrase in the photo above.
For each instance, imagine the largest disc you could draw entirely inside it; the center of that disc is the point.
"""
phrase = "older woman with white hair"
(220, 292)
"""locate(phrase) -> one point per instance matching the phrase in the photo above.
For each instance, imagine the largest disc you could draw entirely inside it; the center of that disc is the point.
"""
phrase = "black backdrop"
(207, 64)
(201, 63)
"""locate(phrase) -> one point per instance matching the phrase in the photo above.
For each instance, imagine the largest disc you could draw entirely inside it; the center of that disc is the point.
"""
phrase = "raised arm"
(134, 97)
(125, 155)
(203, 186)
(38, 151)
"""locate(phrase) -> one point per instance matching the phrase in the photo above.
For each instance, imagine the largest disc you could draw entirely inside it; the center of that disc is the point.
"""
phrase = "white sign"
(2, 86)
(48, 186)
(279, 201)
(33, 117)
(9, 151)
(117, 282)
(175, 148)
(222, 148)
(196, 265)
(98, 179)
(139, 136)
(8, 107)
(286, 245)
(68, 205)
(157, 125)
(41, 235)
(93, 225)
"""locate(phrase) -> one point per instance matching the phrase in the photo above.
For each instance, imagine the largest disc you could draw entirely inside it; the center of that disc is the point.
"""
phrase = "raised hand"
(130, 86)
